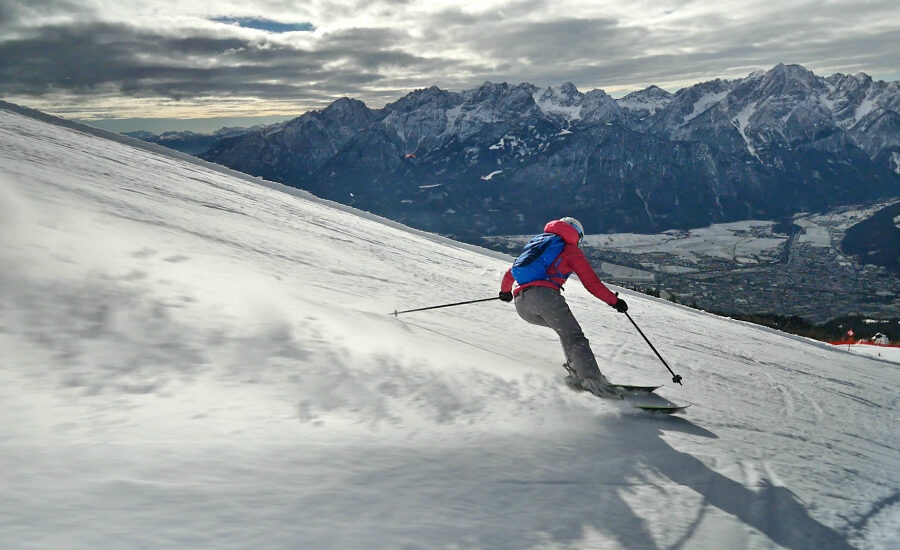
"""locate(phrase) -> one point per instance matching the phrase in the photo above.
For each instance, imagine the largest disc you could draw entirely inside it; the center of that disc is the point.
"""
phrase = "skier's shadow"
(773, 511)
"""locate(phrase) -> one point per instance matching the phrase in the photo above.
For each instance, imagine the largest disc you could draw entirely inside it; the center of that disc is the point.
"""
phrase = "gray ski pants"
(547, 307)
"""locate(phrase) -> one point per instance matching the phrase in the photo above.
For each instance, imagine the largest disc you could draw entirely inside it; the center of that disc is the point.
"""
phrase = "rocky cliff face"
(504, 159)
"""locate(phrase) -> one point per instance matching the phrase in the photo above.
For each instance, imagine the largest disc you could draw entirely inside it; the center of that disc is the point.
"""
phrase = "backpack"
(539, 255)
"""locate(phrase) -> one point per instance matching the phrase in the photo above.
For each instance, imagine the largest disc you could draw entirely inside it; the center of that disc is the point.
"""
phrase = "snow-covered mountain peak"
(645, 103)
(564, 96)
(569, 89)
(687, 104)
(598, 106)
(790, 71)
(781, 107)
(563, 101)
(501, 99)
(494, 91)
(791, 82)
(345, 107)
(424, 98)
(650, 93)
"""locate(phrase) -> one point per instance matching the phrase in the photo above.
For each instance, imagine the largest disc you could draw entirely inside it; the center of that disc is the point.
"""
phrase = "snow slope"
(194, 359)
(886, 353)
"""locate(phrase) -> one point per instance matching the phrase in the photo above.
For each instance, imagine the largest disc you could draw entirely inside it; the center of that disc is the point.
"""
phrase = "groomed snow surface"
(194, 359)
(887, 353)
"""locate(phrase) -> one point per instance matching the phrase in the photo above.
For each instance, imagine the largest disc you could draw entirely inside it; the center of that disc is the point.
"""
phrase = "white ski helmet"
(576, 224)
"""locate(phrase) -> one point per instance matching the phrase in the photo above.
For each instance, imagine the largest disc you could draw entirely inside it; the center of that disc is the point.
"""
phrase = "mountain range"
(192, 143)
(502, 159)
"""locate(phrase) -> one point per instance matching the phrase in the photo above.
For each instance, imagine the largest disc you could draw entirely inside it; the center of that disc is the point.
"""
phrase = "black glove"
(506, 296)
(620, 306)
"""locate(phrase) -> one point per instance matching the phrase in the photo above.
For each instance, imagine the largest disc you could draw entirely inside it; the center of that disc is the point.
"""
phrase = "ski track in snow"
(194, 358)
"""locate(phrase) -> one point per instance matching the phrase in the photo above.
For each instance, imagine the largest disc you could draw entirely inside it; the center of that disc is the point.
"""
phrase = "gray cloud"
(13, 11)
(563, 45)
(140, 62)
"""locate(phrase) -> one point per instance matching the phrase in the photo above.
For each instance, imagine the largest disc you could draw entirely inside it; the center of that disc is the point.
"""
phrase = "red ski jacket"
(572, 260)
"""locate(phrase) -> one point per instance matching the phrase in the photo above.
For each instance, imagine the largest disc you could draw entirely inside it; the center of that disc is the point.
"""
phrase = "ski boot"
(602, 388)
(597, 386)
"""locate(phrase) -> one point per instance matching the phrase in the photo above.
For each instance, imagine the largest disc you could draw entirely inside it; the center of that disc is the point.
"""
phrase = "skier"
(538, 299)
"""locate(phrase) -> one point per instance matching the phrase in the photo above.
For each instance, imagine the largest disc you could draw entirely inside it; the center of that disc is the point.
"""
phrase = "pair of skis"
(639, 397)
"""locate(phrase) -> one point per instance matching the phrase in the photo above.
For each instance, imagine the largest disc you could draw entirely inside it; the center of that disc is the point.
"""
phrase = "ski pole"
(675, 377)
(396, 313)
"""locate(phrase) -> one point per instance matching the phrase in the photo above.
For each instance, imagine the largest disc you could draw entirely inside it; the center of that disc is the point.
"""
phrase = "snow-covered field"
(823, 230)
(729, 241)
(192, 359)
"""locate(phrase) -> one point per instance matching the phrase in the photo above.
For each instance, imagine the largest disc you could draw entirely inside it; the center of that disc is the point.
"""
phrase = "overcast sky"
(230, 58)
